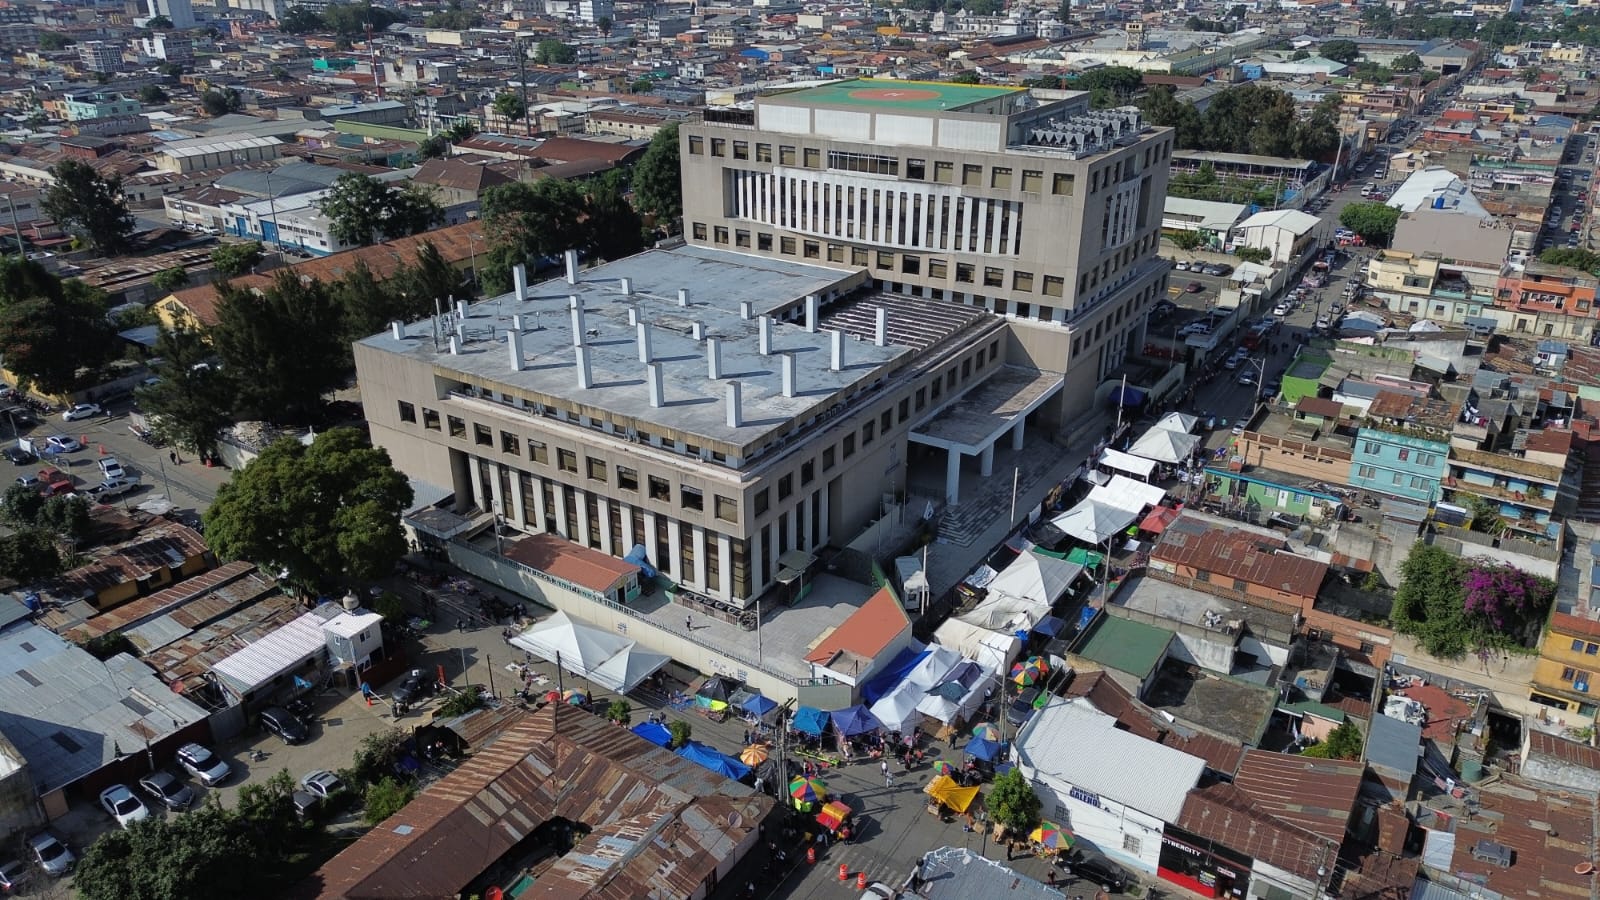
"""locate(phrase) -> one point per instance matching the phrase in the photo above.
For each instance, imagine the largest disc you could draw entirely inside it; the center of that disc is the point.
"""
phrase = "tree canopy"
(552, 52)
(1013, 803)
(280, 348)
(362, 209)
(235, 259)
(1247, 118)
(221, 101)
(54, 40)
(328, 513)
(1454, 606)
(206, 851)
(1373, 222)
(509, 105)
(658, 179)
(1110, 85)
(1572, 257)
(351, 20)
(191, 399)
(1344, 742)
(49, 328)
(541, 220)
(90, 206)
(1340, 51)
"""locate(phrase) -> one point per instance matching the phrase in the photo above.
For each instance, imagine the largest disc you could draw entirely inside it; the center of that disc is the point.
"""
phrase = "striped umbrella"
(1053, 836)
(1029, 671)
(988, 731)
(943, 768)
(808, 790)
(753, 755)
(575, 697)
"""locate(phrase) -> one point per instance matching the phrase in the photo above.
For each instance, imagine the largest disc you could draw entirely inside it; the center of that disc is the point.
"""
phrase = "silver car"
(203, 764)
(164, 788)
(52, 854)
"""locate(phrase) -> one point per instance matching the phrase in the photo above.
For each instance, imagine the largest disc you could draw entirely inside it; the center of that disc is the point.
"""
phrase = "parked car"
(54, 481)
(1281, 310)
(1193, 287)
(52, 854)
(1098, 870)
(418, 685)
(1236, 359)
(13, 875)
(82, 411)
(285, 725)
(1247, 377)
(1182, 265)
(123, 805)
(1022, 707)
(322, 783)
(20, 457)
(62, 443)
(112, 487)
(110, 468)
(200, 762)
(164, 788)
(1323, 322)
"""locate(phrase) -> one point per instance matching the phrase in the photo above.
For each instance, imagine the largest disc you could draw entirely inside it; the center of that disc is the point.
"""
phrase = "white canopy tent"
(897, 710)
(1094, 521)
(1165, 445)
(1006, 614)
(1042, 579)
(958, 696)
(1128, 494)
(1122, 462)
(992, 649)
(1177, 421)
(609, 660)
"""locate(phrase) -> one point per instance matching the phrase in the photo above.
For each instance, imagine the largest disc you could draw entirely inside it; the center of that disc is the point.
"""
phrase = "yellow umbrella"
(753, 755)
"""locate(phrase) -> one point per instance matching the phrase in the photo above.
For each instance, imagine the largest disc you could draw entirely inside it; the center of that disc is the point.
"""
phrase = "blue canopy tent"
(641, 558)
(1049, 626)
(758, 705)
(983, 748)
(879, 685)
(810, 720)
(713, 759)
(653, 732)
(855, 720)
(1127, 396)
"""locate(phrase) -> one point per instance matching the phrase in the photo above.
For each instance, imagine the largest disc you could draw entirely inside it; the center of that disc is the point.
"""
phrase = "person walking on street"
(173, 455)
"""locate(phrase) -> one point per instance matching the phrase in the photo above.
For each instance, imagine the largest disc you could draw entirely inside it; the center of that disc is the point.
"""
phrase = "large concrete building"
(1023, 202)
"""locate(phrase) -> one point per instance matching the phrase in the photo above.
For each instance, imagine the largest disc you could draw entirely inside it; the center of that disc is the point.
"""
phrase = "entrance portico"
(971, 425)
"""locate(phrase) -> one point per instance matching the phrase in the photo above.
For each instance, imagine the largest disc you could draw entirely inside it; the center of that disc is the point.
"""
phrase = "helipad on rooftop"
(890, 94)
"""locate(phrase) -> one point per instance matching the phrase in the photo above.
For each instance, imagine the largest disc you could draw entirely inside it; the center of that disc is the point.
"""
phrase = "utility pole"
(16, 229)
(522, 85)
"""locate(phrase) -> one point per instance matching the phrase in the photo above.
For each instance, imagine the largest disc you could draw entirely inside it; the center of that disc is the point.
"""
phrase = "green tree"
(152, 94)
(265, 810)
(614, 229)
(361, 208)
(66, 516)
(1373, 222)
(300, 20)
(551, 52)
(286, 338)
(20, 505)
(642, 86)
(603, 25)
(416, 285)
(51, 41)
(375, 758)
(385, 798)
(1427, 604)
(50, 329)
(159, 23)
(1406, 62)
(235, 259)
(327, 513)
(434, 147)
(221, 101)
(658, 179)
(1572, 257)
(28, 555)
(619, 711)
(168, 280)
(1340, 51)
(204, 852)
(1299, 55)
(1110, 85)
(680, 731)
(1013, 803)
(351, 20)
(105, 646)
(1187, 241)
(1253, 254)
(459, 703)
(968, 77)
(1344, 742)
(461, 129)
(1161, 107)
(191, 399)
(89, 205)
(508, 105)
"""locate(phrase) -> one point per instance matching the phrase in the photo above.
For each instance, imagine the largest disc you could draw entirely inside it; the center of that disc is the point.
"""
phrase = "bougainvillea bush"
(1454, 606)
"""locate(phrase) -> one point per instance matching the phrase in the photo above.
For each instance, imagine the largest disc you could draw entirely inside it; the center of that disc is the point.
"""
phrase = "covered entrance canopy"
(609, 660)
(1122, 462)
(1093, 521)
(1177, 421)
(990, 410)
(1041, 579)
(1164, 445)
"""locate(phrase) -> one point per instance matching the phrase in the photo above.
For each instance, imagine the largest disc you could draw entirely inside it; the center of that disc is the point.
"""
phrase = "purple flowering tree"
(1505, 605)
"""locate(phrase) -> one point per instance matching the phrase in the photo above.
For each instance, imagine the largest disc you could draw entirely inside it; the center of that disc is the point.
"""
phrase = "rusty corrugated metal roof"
(660, 823)
(203, 586)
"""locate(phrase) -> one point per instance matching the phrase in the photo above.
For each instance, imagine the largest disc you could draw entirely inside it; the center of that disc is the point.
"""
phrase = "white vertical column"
(581, 498)
(794, 527)
(515, 512)
(498, 505)
(860, 226)
(560, 491)
(625, 513)
(941, 223)
(675, 548)
(605, 526)
(699, 538)
(539, 511)
(772, 547)
(952, 476)
(475, 475)
(964, 226)
(983, 209)
(725, 565)
(650, 540)
(744, 195)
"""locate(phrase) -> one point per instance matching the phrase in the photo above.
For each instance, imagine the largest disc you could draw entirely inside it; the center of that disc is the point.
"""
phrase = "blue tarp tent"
(855, 720)
(716, 761)
(1127, 396)
(879, 685)
(758, 705)
(654, 733)
(1086, 616)
(982, 748)
(810, 720)
(641, 558)
(1049, 626)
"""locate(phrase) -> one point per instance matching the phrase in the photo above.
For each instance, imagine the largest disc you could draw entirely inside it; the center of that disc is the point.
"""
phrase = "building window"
(786, 156)
(938, 269)
(1054, 286)
(1131, 843)
(660, 489)
(993, 277)
(911, 265)
(764, 243)
(785, 487)
(430, 419)
(886, 421)
(761, 503)
(812, 250)
(863, 162)
(566, 460)
(808, 472)
(836, 253)
(868, 431)
(858, 256)
(699, 231)
(597, 468)
(1371, 448)
(727, 510)
(691, 498)
(627, 479)
(458, 428)
(922, 398)
(741, 238)
(719, 146)
(971, 175)
(1062, 185)
(1000, 178)
(916, 170)
(1022, 281)
(537, 451)
(965, 273)
(510, 443)
(786, 246)
(697, 145)
(885, 260)
(720, 234)
(741, 150)
(849, 446)
(408, 413)
(944, 173)
(813, 158)
(764, 153)
(1032, 181)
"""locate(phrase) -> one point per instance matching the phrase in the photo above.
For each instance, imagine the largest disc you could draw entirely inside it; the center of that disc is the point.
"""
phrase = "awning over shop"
(1122, 462)
(713, 759)
(1041, 579)
(1177, 421)
(439, 523)
(885, 679)
(946, 791)
(1128, 494)
(810, 720)
(1158, 520)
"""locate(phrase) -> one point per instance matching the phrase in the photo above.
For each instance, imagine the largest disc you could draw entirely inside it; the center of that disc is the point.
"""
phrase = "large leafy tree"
(1344, 742)
(1454, 606)
(529, 221)
(232, 260)
(221, 101)
(191, 400)
(1162, 107)
(350, 20)
(1340, 51)
(658, 179)
(1013, 802)
(28, 555)
(1373, 222)
(1573, 257)
(552, 52)
(327, 513)
(300, 20)
(508, 105)
(49, 329)
(89, 205)
(361, 209)
(202, 852)
(280, 348)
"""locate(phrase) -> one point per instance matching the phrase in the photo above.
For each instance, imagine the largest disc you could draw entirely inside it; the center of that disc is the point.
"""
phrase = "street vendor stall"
(944, 793)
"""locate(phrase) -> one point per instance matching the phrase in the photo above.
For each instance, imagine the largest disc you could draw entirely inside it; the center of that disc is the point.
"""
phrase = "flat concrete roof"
(891, 94)
(989, 409)
(1216, 703)
(693, 403)
(1189, 606)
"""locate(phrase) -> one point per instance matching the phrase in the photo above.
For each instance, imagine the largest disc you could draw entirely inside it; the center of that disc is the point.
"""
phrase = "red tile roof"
(1314, 794)
(867, 631)
(586, 568)
(1239, 555)
(571, 149)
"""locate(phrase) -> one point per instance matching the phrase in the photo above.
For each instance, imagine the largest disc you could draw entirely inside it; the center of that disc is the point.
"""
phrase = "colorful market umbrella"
(1029, 671)
(1053, 836)
(988, 731)
(943, 768)
(575, 697)
(552, 697)
(808, 790)
(704, 702)
(833, 815)
(753, 755)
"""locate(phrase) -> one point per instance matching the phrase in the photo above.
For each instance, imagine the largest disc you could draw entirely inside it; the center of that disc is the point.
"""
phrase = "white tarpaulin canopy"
(1128, 494)
(960, 694)
(1133, 465)
(1177, 421)
(1165, 445)
(1042, 579)
(609, 660)
(1093, 521)
(897, 710)
(994, 650)
(1004, 613)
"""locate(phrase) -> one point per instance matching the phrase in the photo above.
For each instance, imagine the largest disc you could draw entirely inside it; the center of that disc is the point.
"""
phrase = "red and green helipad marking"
(890, 94)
